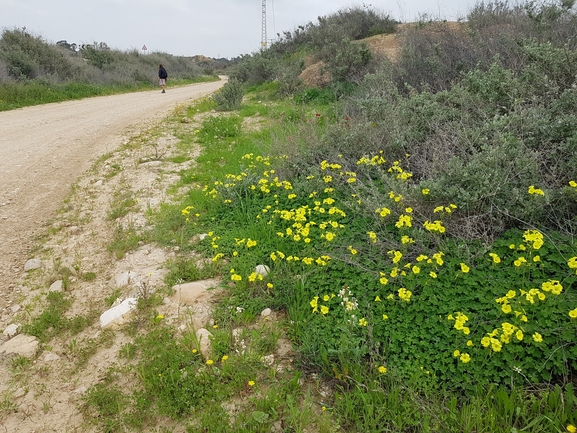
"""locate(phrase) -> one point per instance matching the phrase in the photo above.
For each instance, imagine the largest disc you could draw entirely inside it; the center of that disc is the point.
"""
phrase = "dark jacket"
(162, 73)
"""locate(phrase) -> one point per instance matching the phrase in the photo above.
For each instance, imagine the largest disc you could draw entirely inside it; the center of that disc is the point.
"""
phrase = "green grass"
(18, 95)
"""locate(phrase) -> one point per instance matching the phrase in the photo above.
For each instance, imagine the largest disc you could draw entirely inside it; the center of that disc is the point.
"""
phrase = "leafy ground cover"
(412, 328)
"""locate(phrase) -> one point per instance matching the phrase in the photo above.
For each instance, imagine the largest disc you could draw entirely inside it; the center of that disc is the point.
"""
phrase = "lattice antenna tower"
(263, 35)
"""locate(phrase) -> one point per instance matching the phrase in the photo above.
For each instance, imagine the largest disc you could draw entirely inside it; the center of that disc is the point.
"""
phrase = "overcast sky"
(215, 28)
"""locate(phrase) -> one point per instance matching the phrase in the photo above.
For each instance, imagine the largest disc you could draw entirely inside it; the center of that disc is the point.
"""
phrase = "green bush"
(28, 57)
(229, 97)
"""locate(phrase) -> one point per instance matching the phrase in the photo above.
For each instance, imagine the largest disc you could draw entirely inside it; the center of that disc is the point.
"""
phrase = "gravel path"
(44, 149)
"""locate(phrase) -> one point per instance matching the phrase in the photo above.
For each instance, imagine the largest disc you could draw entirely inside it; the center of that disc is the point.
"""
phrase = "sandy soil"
(44, 149)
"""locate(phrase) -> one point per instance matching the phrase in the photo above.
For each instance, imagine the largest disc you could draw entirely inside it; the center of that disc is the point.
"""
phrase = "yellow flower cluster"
(401, 174)
(460, 321)
(534, 237)
(404, 294)
(535, 191)
(464, 357)
(447, 209)
(375, 160)
(435, 226)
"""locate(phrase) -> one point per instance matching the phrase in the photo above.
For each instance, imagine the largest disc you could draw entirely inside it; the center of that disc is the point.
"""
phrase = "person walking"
(162, 77)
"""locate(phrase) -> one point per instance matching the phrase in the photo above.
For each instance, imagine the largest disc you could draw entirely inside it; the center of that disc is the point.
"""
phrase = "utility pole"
(263, 36)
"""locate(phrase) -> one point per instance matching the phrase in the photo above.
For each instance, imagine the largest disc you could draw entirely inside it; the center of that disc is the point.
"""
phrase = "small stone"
(51, 357)
(118, 315)
(262, 270)
(15, 308)
(204, 338)
(98, 183)
(32, 264)
(202, 236)
(11, 331)
(56, 286)
(266, 312)
(267, 360)
(125, 278)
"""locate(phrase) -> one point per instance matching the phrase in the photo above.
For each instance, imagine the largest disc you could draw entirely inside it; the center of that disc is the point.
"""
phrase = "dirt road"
(44, 149)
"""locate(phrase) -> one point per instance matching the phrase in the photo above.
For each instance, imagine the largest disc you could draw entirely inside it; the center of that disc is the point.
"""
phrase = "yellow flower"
(324, 310)
(571, 428)
(433, 274)
(314, 303)
(456, 353)
(251, 383)
(209, 362)
(469, 343)
(425, 191)
(269, 285)
(464, 268)
(573, 313)
(495, 257)
(363, 322)
(382, 369)
(506, 308)
(224, 358)
(385, 317)
(159, 317)
(519, 335)
(537, 338)
(535, 191)
(235, 277)
(465, 357)
(485, 341)
(416, 269)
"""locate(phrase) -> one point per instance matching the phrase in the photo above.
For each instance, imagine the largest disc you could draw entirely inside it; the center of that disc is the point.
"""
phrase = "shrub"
(229, 97)
(27, 57)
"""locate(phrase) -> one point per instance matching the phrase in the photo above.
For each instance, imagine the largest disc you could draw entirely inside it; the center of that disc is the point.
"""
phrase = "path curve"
(45, 148)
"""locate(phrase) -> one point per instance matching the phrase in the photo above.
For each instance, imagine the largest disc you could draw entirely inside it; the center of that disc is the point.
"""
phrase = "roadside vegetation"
(418, 221)
(34, 71)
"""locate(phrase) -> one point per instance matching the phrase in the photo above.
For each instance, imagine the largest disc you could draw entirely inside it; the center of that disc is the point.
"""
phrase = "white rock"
(267, 360)
(22, 344)
(32, 264)
(118, 315)
(202, 236)
(56, 286)
(262, 270)
(51, 357)
(15, 308)
(266, 312)
(125, 278)
(11, 331)
(204, 338)
(98, 183)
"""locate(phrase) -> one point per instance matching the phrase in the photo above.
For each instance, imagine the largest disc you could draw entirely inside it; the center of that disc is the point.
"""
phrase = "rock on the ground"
(56, 286)
(193, 293)
(266, 312)
(125, 278)
(21, 344)
(117, 316)
(204, 339)
(11, 331)
(49, 357)
(32, 264)
(262, 270)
